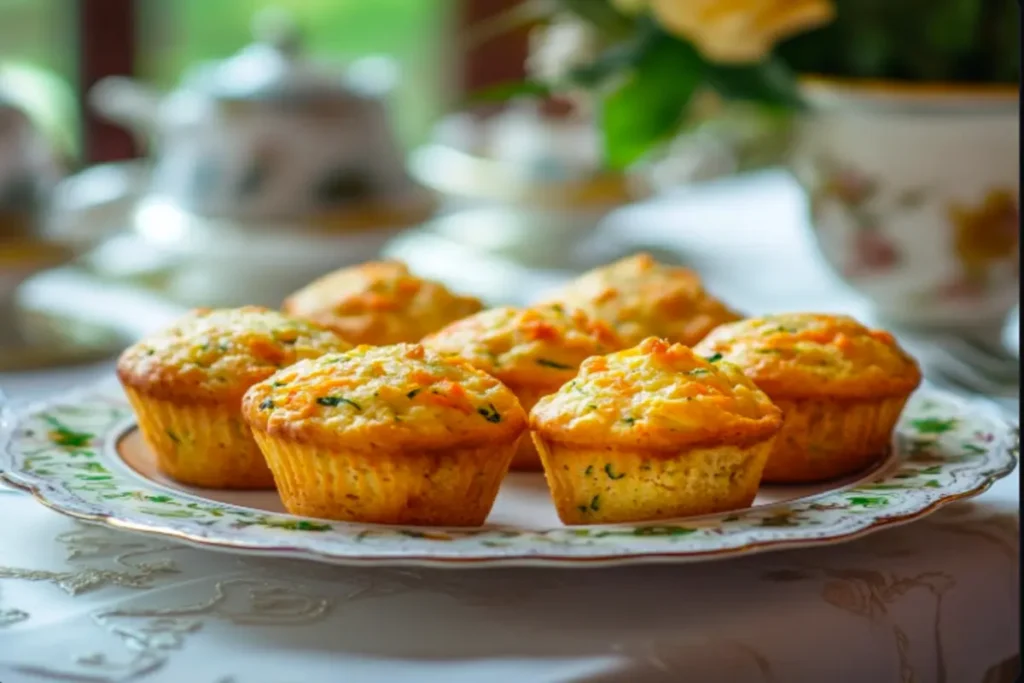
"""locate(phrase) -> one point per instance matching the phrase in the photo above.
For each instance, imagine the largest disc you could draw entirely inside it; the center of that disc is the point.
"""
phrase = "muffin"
(186, 384)
(388, 435)
(379, 303)
(532, 351)
(840, 386)
(641, 298)
(653, 432)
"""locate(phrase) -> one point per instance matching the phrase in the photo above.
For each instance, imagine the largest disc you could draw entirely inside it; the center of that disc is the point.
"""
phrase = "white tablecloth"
(936, 600)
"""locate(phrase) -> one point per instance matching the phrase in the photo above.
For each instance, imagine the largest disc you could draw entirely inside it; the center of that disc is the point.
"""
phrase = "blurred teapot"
(265, 135)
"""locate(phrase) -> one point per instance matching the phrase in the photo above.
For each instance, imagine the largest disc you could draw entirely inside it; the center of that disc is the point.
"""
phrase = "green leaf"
(508, 90)
(615, 60)
(649, 106)
(602, 15)
(769, 82)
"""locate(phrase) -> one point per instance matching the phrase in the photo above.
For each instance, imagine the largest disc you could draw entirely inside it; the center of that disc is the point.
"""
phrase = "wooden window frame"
(106, 43)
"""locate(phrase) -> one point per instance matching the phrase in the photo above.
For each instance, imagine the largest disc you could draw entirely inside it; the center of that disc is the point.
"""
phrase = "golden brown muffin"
(653, 432)
(379, 303)
(641, 298)
(186, 384)
(840, 386)
(532, 351)
(390, 435)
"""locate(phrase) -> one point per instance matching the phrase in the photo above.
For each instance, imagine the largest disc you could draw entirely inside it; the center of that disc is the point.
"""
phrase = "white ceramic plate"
(81, 455)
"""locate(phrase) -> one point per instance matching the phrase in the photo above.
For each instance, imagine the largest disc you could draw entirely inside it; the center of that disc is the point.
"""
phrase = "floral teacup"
(913, 195)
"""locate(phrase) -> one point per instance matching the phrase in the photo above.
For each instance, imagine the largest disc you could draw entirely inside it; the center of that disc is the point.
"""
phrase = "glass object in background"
(174, 36)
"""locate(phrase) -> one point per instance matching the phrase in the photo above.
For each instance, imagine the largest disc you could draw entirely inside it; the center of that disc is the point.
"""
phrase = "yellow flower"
(738, 31)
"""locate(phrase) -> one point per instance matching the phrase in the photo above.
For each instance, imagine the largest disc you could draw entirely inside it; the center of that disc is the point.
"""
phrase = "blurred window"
(39, 63)
(175, 34)
(40, 32)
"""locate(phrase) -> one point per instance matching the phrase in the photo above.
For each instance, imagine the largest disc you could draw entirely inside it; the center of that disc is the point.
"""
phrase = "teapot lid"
(271, 68)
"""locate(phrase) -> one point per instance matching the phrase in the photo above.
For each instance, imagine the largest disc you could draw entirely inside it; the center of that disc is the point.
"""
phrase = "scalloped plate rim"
(70, 504)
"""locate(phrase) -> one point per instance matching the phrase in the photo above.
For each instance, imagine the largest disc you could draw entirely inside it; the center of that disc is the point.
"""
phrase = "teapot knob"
(277, 28)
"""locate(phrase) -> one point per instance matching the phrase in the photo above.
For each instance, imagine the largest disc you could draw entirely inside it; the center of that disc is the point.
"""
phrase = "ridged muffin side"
(641, 298)
(653, 432)
(389, 435)
(379, 303)
(186, 383)
(533, 351)
(841, 387)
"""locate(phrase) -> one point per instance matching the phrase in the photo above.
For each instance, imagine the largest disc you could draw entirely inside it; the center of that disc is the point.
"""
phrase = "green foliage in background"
(645, 80)
(644, 85)
(662, 76)
(37, 35)
(176, 34)
(970, 41)
(38, 67)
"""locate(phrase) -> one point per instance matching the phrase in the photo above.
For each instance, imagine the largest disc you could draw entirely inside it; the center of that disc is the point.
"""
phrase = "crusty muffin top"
(540, 346)
(806, 355)
(385, 396)
(379, 303)
(657, 396)
(640, 298)
(215, 355)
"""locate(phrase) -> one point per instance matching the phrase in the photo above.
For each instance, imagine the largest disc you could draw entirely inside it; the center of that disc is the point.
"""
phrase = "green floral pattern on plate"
(64, 452)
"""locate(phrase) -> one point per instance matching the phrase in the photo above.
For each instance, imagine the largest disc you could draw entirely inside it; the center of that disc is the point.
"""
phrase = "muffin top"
(806, 355)
(401, 395)
(215, 355)
(657, 396)
(379, 303)
(541, 346)
(640, 298)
